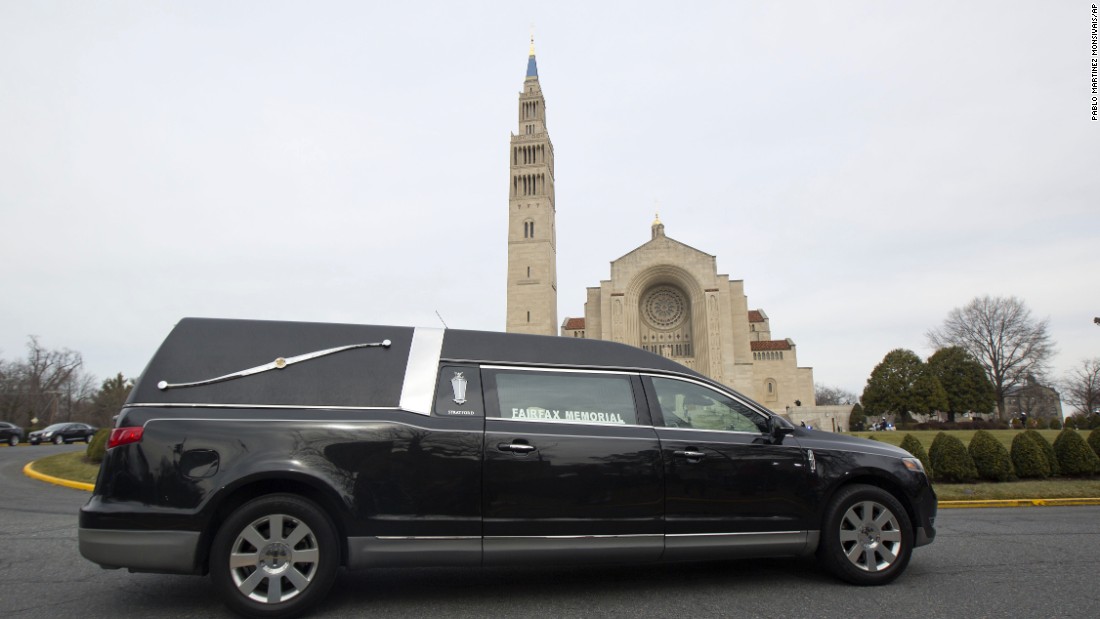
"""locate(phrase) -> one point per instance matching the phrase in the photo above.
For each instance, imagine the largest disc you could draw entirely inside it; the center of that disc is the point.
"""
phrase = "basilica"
(664, 296)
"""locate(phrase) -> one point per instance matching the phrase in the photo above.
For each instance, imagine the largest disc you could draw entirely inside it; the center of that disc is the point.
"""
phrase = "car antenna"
(441, 319)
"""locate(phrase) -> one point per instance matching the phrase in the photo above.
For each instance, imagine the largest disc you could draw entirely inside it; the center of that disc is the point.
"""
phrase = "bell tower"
(532, 243)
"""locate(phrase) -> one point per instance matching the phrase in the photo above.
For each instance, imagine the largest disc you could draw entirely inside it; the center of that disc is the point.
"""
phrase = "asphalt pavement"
(1018, 562)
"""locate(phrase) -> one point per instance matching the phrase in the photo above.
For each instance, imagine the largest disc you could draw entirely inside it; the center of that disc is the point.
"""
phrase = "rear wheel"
(275, 556)
(867, 537)
(13, 440)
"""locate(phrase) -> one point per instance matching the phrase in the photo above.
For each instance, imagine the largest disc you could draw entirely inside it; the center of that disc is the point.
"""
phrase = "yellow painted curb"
(1018, 503)
(50, 479)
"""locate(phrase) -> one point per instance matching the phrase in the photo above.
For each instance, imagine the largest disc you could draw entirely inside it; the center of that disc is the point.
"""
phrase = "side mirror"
(777, 429)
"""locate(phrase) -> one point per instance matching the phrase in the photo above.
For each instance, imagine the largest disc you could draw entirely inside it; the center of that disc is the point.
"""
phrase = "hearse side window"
(688, 405)
(602, 399)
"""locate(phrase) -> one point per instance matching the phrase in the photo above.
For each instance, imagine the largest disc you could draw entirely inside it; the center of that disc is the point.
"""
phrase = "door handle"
(690, 454)
(518, 448)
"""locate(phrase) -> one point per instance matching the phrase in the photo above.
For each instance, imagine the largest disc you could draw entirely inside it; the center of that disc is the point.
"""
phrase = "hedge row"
(1031, 456)
(981, 424)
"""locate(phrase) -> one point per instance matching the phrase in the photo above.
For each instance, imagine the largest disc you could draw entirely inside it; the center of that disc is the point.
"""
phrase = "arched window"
(771, 390)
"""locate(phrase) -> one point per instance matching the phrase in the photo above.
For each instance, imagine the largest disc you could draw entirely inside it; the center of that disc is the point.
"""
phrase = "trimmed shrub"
(913, 445)
(1029, 458)
(97, 448)
(1048, 451)
(1075, 457)
(1055, 424)
(1094, 441)
(950, 460)
(858, 419)
(990, 457)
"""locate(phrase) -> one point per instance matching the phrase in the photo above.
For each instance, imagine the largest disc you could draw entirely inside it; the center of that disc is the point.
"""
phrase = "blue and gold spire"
(532, 66)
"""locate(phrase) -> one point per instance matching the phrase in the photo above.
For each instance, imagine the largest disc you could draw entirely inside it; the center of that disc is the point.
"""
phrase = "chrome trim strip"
(425, 537)
(551, 368)
(571, 422)
(259, 406)
(675, 429)
(734, 534)
(364, 552)
(574, 424)
(573, 537)
(694, 546)
(341, 422)
(421, 371)
(277, 364)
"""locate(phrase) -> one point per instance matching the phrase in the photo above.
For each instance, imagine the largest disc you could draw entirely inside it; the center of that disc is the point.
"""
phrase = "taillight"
(124, 436)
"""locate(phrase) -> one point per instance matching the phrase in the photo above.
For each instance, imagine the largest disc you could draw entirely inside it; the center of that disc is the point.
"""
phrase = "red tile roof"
(755, 316)
(771, 345)
(574, 323)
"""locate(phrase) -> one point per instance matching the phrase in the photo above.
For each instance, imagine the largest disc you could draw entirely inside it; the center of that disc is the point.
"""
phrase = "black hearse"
(269, 454)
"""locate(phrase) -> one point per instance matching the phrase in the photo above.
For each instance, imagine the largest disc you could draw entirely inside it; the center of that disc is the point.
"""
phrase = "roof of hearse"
(259, 362)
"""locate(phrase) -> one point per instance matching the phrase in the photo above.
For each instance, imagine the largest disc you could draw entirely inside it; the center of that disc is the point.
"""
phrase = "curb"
(1018, 503)
(50, 479)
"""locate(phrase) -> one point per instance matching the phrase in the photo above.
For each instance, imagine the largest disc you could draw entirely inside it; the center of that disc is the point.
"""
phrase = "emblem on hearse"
(458, 383)
(279, 363)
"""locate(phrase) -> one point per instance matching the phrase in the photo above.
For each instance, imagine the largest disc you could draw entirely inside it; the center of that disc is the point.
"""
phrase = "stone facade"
(668, 298)
(665, 296)
(1035, 399)
(532, 247)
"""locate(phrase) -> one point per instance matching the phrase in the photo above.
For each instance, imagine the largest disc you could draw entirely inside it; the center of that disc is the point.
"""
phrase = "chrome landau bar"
(277, 364)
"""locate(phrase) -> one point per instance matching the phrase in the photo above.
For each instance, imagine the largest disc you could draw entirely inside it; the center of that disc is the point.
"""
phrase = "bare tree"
(1081, 386)
(45, 384)
(825, 395)
(1001, 334)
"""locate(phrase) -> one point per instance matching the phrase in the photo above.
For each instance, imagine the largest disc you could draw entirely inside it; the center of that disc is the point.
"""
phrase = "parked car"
(10, 433)
(61, 433)
(269, 454)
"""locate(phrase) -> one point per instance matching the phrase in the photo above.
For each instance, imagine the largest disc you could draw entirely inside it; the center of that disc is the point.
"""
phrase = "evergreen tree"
(902, 384)
(964, 381)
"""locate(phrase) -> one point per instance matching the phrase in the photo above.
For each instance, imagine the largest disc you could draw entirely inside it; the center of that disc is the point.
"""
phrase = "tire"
(13, 440)
(866, 537)
(88, 439)
(263, 572)
(59, 440)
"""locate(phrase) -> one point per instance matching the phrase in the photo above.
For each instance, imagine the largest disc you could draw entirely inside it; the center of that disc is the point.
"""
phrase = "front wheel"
(59, 440)
(867, 537)
(13, 440)
(275, 556)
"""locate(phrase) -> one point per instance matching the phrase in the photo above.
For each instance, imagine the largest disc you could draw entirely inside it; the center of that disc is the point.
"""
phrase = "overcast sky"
(864, 167)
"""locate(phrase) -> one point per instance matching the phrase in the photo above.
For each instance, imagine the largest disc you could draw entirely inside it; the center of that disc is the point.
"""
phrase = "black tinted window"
(569, 398)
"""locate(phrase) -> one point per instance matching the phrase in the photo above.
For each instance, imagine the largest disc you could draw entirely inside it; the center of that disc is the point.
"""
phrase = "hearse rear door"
(572, 468)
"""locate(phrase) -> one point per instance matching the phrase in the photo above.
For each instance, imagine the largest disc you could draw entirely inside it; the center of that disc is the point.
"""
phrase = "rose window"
(664, 307)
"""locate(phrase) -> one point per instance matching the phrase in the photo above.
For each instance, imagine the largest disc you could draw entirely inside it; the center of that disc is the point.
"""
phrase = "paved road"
(1024, 562)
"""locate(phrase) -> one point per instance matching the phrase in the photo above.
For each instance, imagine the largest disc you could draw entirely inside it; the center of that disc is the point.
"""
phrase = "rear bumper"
(167, 552)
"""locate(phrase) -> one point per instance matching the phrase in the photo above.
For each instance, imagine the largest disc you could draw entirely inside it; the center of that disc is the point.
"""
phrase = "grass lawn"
(1057, 488)
(71, 466)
